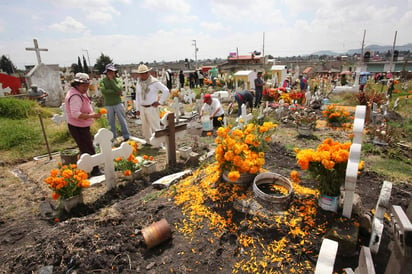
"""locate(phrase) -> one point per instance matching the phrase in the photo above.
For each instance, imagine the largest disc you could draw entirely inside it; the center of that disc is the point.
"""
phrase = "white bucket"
(206, 123)
(328, 203)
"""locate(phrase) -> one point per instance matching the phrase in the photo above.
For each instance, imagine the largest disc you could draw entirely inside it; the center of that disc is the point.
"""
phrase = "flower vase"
(149, 167)
(328, 203)
(69, 156)
(245, 179)
(305, 130)
(70, 203)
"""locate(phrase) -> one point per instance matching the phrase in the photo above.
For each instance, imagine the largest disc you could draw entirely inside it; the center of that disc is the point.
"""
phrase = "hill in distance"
(379, 48)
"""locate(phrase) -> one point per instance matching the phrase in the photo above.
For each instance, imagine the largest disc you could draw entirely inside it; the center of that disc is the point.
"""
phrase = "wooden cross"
(168, 135)
(106, 156)
(37, 50)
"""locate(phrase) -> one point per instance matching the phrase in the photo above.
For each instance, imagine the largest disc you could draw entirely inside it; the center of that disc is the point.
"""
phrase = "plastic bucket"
(156, 233)
(206, 123)
(328, 203)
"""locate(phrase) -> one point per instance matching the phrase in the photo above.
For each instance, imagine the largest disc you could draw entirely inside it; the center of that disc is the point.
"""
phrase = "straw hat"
(82, 78)
(143, 69)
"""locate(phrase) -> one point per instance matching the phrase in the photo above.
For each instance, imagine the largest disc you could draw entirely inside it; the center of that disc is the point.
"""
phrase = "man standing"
(169, 79)
(259, 83)
(148, 101)
(111, 88)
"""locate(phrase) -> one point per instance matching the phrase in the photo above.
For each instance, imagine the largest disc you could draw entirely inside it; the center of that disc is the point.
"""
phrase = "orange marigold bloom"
(102, 111)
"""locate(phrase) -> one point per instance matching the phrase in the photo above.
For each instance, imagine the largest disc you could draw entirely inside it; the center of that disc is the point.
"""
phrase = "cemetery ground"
(103, 235)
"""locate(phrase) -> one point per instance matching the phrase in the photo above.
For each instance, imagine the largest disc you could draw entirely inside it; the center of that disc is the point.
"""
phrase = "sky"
(134, 31)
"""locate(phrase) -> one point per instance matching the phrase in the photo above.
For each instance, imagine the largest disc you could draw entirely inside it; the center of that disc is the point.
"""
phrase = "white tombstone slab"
(378, 219)
(59, 118)
(327, 255)
(3, 91)
(175, 108)
(107, 155)
(244, 118)
(365, 263)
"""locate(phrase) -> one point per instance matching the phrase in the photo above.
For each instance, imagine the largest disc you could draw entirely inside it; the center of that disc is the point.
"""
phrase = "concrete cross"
(327, 256)
(353, 161)
(244, 118)
(107, 155)
(189, 97)
(176, 108)
(401, 257)
(378, 219)
(169, 136)
(57, 119)
(365, 263)
(37, 50)
(3, 91)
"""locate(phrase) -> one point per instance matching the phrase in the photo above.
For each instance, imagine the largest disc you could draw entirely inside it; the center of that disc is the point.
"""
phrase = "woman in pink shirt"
(80, 116)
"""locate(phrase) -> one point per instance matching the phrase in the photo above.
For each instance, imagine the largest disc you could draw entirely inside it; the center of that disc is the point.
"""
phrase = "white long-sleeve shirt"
(152, 96)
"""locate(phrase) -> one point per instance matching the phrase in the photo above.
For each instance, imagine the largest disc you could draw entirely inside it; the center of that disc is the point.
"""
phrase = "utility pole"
(196, 50)
(88, 58)
(263, 50)
(393, 51)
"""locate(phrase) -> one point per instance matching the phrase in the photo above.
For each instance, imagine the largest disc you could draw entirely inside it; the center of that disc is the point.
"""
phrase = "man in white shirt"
(148, 101)
(214, 109)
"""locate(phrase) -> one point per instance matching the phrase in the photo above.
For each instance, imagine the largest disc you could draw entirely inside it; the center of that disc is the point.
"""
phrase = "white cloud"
(169, 6)
(69, 24)
(214, 27)
(100, 16)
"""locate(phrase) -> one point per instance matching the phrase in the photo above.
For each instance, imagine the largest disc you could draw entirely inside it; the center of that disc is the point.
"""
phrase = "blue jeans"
(112, 112)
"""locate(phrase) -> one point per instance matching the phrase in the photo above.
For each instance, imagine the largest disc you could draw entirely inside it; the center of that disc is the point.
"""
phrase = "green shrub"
(17, 108)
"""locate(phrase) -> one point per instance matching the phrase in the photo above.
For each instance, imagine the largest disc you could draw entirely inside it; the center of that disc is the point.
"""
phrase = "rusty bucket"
(156, 233)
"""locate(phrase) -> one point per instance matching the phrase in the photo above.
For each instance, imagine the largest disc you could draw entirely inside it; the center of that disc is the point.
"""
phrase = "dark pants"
(216, 122)
(83, 139)
(258, 97)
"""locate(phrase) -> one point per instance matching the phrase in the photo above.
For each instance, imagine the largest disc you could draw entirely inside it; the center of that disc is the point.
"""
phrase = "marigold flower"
(102, 111)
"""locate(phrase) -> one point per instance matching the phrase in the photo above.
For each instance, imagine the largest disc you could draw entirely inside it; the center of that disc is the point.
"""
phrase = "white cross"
(3, 91)
(37, 50)
(107, 155)
(244, 118)
(176, 108)
(378, 219)
(189, 97)
(353, 161)
(60, 118)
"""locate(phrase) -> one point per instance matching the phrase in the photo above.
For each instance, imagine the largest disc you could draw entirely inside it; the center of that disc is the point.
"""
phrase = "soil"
(104, 234)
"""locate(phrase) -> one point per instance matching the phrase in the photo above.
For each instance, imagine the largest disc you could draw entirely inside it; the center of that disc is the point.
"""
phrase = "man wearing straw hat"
(148, 101)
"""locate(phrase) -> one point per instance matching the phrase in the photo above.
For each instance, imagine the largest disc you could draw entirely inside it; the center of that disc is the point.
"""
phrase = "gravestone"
(244, 118)
(59, 118)
(4, 91)
(401, 257)
(353, 161)
(327, 255)
(365, 263)
(46, 77)
(107, 155)
(168, 136)
(188, 96)
(378, 220)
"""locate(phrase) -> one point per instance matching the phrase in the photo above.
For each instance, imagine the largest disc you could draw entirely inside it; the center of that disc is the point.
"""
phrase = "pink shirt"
(76, 104)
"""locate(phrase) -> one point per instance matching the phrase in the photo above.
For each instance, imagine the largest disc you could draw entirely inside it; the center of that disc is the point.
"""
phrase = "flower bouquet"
(67, 184)
(132, 164)
(327, 165)
(336, 116)
(305, 117)
(241, 150)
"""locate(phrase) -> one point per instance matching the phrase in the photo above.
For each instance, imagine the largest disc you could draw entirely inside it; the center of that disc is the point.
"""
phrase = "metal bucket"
(244, 180)
(272, 201)
(156, 233)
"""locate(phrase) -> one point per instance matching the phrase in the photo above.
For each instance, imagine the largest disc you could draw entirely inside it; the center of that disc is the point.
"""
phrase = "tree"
(85, 66)
(101, 63)
(7, 65)
(79, 64)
